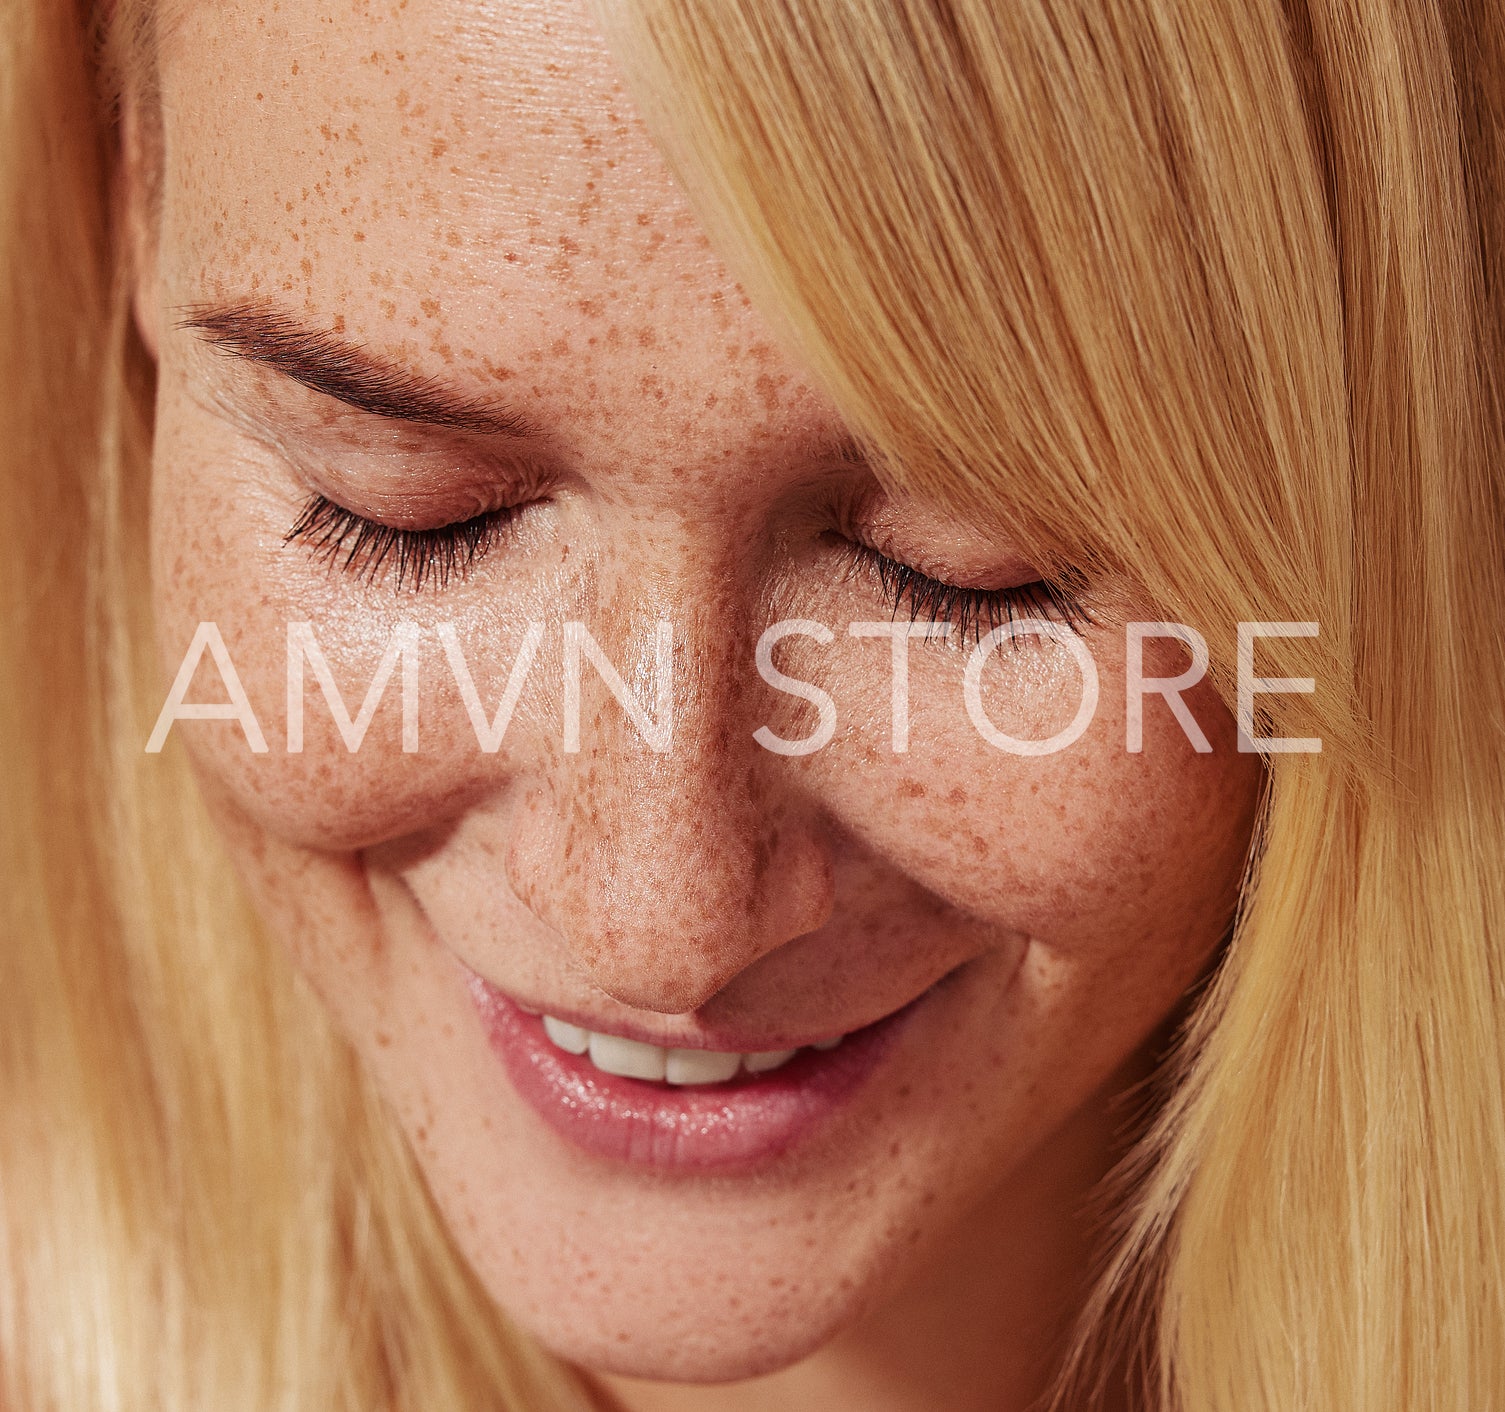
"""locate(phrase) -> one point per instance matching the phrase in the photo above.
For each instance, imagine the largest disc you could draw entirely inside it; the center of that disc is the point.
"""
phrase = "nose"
(668, 873)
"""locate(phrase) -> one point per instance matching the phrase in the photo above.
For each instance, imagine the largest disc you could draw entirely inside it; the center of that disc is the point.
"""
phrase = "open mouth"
(634, 1059)
(676, 1108)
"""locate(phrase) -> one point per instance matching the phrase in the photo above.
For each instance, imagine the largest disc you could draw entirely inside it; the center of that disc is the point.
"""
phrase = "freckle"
(359, 235)
(307, 266)
(453, 238)
(647, 338)
(383, 1040)
(957, 796)
(438, 148)
(710, 400)
(570, 247)
(768, 388)
(591, 308)
(510, 258)
(912, 789)
(339, 323)
(430, 307)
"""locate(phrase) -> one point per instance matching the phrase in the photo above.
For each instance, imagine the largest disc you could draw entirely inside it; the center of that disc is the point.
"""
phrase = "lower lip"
(746, 1121)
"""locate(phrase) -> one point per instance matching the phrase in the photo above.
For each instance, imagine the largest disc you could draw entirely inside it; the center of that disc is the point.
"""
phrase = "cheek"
(1094, 844)
(219, 517)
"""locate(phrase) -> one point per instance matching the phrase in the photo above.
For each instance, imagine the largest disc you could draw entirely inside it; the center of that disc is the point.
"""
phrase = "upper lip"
(726, 1041)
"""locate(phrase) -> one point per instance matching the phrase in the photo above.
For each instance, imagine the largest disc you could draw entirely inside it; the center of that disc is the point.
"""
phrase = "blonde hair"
(203, 1204)
(1209, 295)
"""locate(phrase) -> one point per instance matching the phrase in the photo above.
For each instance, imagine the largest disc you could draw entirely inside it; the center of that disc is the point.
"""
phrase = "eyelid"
(896, 527)
(871, 519)
(421, 492)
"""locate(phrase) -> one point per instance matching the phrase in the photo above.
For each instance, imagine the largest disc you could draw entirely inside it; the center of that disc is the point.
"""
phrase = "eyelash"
(974, 611)
(437, 554)
(338, 536)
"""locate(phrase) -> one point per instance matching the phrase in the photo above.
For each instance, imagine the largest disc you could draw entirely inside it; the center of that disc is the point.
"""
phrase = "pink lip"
(743, 1122)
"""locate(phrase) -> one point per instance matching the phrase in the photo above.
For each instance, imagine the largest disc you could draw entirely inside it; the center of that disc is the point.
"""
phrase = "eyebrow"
(350, 373)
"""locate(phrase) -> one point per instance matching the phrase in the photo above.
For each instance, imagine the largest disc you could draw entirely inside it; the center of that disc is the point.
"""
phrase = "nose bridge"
(668, 871)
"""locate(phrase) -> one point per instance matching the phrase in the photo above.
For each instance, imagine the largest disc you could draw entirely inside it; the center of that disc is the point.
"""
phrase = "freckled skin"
(466, 189)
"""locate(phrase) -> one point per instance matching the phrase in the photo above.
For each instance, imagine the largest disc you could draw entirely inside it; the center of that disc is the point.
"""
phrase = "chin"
(688, 1342)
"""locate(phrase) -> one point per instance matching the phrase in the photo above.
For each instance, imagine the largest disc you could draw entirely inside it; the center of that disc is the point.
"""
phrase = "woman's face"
(439, 271)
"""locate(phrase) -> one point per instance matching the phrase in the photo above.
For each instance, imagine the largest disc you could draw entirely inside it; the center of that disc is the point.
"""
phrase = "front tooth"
(570, 1038)
(828, 1043)
(766, 1059)
(700, 1066)
(630, 1058)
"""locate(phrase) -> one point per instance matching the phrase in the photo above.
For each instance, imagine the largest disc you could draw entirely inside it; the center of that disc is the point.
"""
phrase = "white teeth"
(630, 1058)
(766, 1059)
(570, 1038)
(701, 1066)
(633, 1059)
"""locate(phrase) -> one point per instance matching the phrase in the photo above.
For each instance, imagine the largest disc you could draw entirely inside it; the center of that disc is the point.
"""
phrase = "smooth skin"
(464, 191)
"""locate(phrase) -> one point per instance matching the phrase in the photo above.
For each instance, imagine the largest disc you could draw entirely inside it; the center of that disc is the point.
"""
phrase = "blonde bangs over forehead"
(1116, 276)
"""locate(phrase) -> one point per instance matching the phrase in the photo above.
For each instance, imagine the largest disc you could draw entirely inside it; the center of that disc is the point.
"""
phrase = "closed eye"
(433, 556)
(372, 551)
(973, 611)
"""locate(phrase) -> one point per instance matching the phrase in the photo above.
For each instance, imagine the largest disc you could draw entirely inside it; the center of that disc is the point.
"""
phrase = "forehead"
(466, 188)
